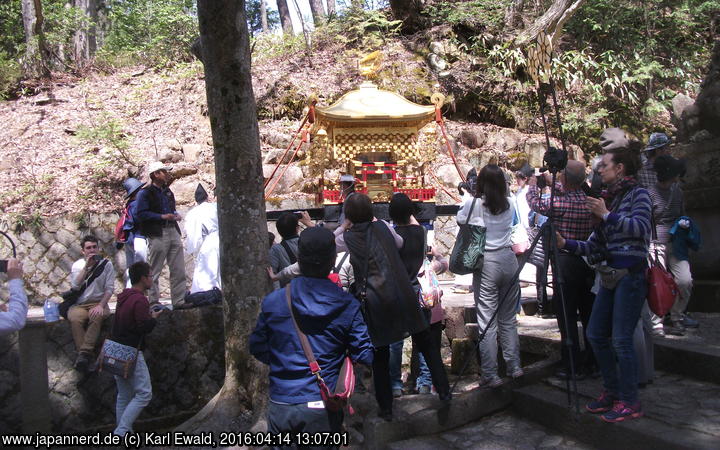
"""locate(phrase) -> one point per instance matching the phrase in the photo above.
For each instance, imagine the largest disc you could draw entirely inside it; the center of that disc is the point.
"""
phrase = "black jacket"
(149, 201)
(392, 310)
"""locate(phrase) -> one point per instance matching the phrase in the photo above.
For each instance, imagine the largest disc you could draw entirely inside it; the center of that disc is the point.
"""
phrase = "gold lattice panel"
(349, 142)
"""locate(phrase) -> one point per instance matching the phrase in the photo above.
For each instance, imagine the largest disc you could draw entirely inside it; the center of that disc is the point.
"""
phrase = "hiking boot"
(82, 362)
(689, 322)
(603, 403)
(622, 411)
(490, 382)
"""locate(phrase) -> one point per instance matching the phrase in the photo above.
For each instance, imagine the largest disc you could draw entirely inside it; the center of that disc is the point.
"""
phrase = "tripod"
(547, 229)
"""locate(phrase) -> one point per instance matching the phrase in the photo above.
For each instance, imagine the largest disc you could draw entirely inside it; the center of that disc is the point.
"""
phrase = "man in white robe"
(203, 242)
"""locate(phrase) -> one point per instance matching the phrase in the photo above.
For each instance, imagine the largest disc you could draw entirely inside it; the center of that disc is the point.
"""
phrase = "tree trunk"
(409, 11)
(241, 210)
(85, 38)
(708, 100)
(511, 13)
(285, 20)
(36, 62)
(551, 22)
(331, 8)
(263, 16)
(318, 13)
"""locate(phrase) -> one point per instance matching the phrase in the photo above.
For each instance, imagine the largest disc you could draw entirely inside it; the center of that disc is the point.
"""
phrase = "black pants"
(578, 280)
(298, 418)
(424, 342)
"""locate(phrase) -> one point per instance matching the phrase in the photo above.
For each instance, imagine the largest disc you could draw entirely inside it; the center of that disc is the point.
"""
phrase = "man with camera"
(285, 253)
(571, 218)
(95, 277)
(13, 314)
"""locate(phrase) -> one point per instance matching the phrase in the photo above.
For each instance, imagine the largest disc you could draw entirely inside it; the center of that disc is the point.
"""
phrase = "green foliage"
(152, 32)
(11, 27)
(474, 14)
(252, 12)
(10, 74)
(107, 145)
(360, 28)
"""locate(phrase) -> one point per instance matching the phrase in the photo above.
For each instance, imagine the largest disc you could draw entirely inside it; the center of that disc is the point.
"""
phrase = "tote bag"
(467, 253)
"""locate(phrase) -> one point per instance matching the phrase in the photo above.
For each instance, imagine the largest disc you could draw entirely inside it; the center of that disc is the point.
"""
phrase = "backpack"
(121, 234)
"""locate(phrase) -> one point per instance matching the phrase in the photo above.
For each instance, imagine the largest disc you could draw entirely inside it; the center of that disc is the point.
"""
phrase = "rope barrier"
(452, 196)
(441, 123)
(310, 115)
(297, 148)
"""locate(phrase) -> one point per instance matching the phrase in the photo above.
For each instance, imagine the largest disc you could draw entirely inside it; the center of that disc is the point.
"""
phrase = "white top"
(522, 206)
(199, 222)
(105, 283)
(498, 227)
(14, 318)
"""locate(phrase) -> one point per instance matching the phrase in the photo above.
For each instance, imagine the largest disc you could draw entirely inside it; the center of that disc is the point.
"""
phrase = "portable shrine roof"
(368, 103)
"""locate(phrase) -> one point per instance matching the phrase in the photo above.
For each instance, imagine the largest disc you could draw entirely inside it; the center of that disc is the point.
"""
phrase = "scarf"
(618, 190)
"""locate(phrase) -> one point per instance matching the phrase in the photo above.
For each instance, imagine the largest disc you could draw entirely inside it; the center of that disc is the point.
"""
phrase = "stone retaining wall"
(185, 356)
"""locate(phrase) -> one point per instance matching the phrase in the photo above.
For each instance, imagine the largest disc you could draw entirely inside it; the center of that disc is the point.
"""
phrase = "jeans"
(134, 394)
(299, 418)
(396, 349)
(615, 315)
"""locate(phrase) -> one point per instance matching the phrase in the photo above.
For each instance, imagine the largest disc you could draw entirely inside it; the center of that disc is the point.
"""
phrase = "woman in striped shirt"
(623, 236)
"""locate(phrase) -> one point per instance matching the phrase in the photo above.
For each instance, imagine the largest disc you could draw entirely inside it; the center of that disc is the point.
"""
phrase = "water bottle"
(51, 310)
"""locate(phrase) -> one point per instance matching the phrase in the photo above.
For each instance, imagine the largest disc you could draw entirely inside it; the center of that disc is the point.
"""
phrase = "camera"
(3, 265)
(555, 159)
(597, 257)
(96, 258)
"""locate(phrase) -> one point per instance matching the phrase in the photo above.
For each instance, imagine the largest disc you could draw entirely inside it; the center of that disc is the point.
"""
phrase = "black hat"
(201, 194)
(132, 185)
(316, 248)
(668, 167)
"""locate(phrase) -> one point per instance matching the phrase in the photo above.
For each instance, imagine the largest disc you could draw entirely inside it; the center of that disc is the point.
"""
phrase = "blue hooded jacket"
(334, 325)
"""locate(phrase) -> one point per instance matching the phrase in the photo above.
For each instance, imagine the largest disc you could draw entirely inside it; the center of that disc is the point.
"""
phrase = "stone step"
(696, 355)
(670, 420)
(422, 415)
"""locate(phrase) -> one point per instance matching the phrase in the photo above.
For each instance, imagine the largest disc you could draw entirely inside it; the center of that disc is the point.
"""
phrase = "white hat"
(157, 165)
(347, 178)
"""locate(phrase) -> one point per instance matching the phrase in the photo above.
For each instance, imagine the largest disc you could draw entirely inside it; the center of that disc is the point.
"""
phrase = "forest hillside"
(101, 87)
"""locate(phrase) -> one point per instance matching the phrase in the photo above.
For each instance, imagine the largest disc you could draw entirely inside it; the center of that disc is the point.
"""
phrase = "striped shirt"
(572, 216)
(625, 233)
(667, 207)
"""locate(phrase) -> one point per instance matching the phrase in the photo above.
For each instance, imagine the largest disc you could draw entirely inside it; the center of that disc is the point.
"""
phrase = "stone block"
(171, 156)
(455, 322)
(67, 238)
(464, 352)
(192, 152)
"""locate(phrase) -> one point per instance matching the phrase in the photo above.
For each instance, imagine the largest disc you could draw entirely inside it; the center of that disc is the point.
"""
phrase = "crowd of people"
(361, 288)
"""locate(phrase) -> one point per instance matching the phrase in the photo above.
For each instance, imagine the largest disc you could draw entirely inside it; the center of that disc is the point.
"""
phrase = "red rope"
(311, 111)
(441, 124)
(452, 196)
(272, 188)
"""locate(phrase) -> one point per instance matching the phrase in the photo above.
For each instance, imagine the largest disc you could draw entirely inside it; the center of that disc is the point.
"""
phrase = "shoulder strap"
(93, 276)
(314, 366)
(472, 206)
(341, 263)
(290, 253)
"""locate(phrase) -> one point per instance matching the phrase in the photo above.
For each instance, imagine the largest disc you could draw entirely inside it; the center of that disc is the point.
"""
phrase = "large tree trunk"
(285, 20)
(36, 63)
(331, 8)
(708, 101)
(318, 12)
(551, 22)
(241, 209)
(85, 38)
(263, 17)
(410, 12)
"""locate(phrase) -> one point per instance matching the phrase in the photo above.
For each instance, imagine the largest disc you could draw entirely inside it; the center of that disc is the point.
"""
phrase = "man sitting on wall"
(97, 275)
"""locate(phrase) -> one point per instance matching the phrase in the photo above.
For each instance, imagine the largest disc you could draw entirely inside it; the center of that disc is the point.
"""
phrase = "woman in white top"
(495, 287)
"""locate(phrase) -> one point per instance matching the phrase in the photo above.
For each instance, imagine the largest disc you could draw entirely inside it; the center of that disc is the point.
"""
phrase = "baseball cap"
(657, 140)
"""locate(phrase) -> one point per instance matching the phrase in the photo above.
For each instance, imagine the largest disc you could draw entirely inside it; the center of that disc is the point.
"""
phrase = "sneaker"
(622, 411)
(658, 331)
(397, 393)
(689, 322)
(517, 373)
(676, 329)
(424, 390)
(385, 414)
(603, 403)
(490, 382)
